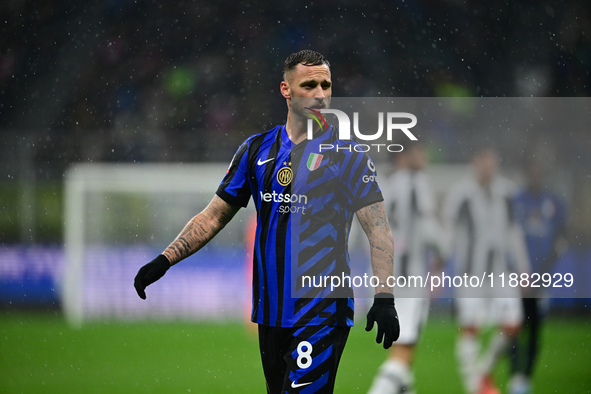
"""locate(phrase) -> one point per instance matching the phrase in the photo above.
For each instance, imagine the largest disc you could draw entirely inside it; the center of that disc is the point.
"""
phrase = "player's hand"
(384, 314)
(149, 274)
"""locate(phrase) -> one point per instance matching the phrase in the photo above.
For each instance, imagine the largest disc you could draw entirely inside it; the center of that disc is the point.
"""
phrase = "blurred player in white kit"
(484, 238)
(411, 207)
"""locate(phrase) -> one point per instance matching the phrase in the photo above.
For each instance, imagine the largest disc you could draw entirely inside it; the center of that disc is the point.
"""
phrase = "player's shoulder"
(464, 187)
(259, 141)
(504, 186)
(263, 136)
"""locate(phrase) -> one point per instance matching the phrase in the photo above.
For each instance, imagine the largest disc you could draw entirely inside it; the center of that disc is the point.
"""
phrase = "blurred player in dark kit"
(542, 216)
(314, 195)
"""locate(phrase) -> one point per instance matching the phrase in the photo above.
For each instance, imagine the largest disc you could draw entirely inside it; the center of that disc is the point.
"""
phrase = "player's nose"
(319, 93)
(320, 100)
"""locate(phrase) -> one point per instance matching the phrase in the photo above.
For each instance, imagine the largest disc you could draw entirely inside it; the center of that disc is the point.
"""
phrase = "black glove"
(150, 273)
(384, 313)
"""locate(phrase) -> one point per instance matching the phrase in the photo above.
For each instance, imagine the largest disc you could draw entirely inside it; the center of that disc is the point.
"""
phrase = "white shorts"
(412, 315)
(480, 312)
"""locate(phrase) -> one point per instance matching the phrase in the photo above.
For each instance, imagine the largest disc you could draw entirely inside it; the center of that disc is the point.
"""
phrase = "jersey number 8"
(304, 359)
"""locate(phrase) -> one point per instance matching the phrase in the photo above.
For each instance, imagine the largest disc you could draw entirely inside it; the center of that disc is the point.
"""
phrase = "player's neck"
(296, 128)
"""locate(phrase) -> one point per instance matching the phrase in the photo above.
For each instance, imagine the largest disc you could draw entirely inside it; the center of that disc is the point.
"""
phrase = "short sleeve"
(358, 180)
(235, 187)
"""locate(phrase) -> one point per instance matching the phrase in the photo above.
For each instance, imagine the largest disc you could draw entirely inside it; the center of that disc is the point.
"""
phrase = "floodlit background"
(90, 90)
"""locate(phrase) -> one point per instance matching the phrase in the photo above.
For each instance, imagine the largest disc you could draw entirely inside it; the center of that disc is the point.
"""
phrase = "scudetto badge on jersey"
(314, 161)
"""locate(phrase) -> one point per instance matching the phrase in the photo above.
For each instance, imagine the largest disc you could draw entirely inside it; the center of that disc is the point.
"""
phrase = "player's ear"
(284, 87)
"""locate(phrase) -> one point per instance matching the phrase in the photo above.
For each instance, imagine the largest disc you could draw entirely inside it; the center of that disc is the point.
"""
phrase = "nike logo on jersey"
(295, 386)
(261, 162)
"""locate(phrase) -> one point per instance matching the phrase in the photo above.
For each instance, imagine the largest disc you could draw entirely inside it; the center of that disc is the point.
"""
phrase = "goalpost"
(118, 217)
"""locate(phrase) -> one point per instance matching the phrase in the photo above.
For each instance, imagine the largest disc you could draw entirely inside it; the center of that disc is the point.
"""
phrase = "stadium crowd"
(122, 81)
(154, 77)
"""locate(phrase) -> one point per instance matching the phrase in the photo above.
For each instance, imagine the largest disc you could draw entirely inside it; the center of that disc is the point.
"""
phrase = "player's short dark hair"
(305, 57)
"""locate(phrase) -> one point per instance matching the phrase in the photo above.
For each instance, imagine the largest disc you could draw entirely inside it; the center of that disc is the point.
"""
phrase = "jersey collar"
(287, 142)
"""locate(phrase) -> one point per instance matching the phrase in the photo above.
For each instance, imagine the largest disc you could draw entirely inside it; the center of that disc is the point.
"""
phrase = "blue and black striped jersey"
(305, 197)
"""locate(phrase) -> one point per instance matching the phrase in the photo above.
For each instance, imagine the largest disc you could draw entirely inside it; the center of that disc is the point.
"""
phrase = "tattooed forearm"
(200, 230)
(374, 221)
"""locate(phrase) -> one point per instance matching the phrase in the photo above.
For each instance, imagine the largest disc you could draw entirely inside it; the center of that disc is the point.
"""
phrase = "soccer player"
(542, 216)
(305, 200)
(478, 212)
(411, 207)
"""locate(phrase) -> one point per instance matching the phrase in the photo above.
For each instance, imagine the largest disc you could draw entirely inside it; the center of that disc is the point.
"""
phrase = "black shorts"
(301, 359)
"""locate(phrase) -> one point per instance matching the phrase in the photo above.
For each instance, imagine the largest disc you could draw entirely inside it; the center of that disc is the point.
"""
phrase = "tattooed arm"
(374, 221)
(200, 230)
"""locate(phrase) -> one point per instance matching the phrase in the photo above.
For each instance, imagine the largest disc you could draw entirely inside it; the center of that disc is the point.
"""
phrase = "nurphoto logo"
(393, 124)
